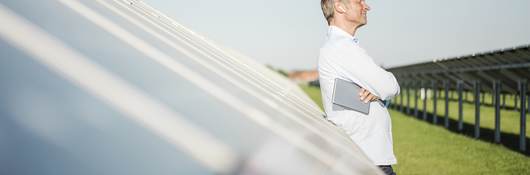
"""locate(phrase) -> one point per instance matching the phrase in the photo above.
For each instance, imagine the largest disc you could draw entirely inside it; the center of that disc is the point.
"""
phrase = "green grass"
(314, 94)
(422, 148)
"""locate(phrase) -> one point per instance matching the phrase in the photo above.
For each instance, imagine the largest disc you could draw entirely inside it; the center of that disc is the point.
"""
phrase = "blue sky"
(288, 34)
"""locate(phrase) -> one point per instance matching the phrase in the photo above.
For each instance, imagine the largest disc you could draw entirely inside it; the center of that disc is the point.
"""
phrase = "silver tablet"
(346, 97)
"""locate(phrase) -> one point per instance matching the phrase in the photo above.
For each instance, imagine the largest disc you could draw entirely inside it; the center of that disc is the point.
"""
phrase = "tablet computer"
(346, 97)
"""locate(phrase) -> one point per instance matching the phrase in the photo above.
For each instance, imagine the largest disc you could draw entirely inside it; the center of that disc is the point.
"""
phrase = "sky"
(287, 34)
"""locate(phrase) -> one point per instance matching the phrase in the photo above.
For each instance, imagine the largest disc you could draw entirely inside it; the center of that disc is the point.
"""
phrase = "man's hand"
(366, 96)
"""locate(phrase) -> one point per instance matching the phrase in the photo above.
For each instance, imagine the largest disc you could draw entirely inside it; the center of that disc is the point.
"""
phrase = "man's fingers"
(369, 98)
(375, 98)
(361, 92)
(364, 94)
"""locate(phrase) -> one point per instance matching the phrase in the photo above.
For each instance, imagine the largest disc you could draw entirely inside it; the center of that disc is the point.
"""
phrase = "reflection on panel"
(116, 87)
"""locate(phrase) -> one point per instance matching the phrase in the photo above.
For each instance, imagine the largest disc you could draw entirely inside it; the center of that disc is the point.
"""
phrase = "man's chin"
(362, 24)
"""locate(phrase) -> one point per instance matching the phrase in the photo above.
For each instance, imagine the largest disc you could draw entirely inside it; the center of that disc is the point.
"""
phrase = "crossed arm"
(377, 83)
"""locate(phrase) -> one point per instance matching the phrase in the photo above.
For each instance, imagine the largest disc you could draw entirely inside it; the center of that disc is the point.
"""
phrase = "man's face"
(356, 11)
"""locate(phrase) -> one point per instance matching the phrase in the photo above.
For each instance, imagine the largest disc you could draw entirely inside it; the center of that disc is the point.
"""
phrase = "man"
(342, 57)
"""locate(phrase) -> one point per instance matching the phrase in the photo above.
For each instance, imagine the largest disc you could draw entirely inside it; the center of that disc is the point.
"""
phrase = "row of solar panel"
(116, 87)
(507, 65)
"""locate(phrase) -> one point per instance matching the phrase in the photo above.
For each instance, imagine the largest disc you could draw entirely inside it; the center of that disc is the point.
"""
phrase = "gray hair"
(328, 8)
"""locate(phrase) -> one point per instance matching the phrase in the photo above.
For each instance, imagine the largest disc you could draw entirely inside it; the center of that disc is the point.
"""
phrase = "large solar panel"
(509, 65)
(116, 87)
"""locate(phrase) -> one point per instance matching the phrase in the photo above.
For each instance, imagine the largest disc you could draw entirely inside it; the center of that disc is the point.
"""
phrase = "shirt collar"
(336, 31)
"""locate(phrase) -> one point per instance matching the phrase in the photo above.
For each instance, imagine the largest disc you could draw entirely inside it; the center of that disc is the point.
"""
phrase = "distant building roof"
(303, 76)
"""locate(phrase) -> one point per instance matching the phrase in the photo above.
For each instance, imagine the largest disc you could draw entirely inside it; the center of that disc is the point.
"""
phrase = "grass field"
(422, 148)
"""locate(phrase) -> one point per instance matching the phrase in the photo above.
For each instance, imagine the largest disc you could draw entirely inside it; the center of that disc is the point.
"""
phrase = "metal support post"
(460, 107)
(476, 85)
(416, 90)
(424, 100)
(483, 99)
(522, 93)
(446, 113)
(497, 90)
(408, 98)
(401, 100)
(434, 101)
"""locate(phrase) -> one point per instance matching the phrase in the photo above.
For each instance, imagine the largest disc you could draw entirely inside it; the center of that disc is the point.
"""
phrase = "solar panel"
(509, 65)
(116, 87)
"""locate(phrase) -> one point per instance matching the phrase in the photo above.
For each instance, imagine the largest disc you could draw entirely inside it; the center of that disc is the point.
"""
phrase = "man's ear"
(339, 7)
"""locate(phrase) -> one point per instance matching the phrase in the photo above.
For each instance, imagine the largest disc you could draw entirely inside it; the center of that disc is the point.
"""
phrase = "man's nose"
(367, 7)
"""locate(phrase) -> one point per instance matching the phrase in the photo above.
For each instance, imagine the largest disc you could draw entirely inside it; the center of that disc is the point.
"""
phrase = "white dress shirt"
(342, 57)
